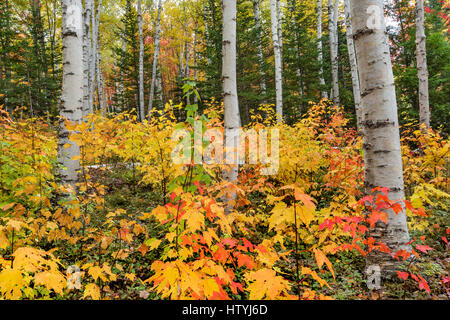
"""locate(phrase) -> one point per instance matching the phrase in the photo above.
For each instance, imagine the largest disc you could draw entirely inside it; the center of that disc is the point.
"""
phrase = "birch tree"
(257, 14)
(230, 97)
(72, 89)
(422, 67)
(353, 64)
(94, 56)
(280, 28)
(155, 56)
(382, 151)
(87, 46)
(320, 48)
(333, 6)
(278, 64)
(141, 61)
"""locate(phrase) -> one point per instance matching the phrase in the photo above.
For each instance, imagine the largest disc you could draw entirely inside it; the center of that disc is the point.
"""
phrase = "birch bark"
(422, 67)
(324, 93)
(333, 6)
(382, 151)
(230, 97)
(155, 57)
(353, 64)
(278, 64)
(72, 89)
(141, 61)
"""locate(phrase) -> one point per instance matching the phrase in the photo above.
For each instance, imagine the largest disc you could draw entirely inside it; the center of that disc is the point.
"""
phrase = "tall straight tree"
(353, 64)
(257, 14)
(155, 56)
(87, 46)
(141, 61)
(278, 62)
(320, 48)
(422, 67)
(333, 9)
(229, 91)
(72, 88)
(95, 17)
(382, 150)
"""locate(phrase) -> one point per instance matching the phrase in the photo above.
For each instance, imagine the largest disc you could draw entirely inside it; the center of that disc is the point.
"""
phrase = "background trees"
(190, 41)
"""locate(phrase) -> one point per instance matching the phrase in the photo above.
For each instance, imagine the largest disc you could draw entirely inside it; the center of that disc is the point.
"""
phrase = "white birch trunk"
(159, 88)
(100, 81)
(195, 63)
(155, 57)
(72, 89)
(280, 28)
(353, 64)
(141, 62)
(324, 93)
(333, 6)
(257, 14)
(382, 151)
(278, 64)
(422, 67)
(230, 97)
(86, 55)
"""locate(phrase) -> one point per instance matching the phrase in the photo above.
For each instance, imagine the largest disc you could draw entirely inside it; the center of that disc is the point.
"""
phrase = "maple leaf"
(97, 272)
(307, 200)
(244, 260)
(265, 284)
(376, 216)
(321, 258)
(195, 220)
(93, 291)
(423, 248)
(306, 214)
(11, 283)
(402, 254)
(403, 275)
(51, 280)
(307, 271)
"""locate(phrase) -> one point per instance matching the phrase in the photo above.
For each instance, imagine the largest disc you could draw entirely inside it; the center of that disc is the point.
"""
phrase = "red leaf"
(376, 216)
(423, 248)
(403, 275)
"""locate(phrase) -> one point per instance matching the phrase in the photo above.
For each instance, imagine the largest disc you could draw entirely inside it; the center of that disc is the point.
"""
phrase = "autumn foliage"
(286, 237)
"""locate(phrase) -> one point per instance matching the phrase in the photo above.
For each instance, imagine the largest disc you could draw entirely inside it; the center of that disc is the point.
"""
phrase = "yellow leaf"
(321, 258)
(195, 220)
(11, 284)
(93, 291)
(97, 272)
(306, 214)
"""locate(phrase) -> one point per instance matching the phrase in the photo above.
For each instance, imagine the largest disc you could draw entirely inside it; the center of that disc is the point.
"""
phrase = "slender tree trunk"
(155, 57)
(280, 29)
(195, 62)
(382, 151)
(333, 6)
(320, 49)
(72, 88)
(353, 65)
(86, 56)
(159, 87)
(100, 96)
(422, 67)
(141, 61)
(257, 14)
(230, 97)
(278, 63)
(298, 71)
